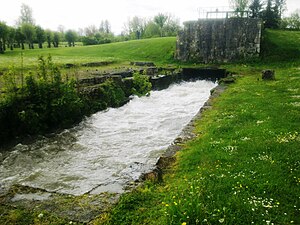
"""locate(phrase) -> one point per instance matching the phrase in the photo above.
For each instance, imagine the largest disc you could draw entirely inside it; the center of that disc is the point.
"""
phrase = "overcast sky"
(79, 14)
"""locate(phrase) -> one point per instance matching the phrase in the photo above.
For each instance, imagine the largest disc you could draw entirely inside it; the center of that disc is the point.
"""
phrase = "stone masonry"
(219, 40)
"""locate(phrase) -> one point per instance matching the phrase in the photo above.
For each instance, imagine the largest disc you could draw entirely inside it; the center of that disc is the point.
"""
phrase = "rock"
(268, 75)
(142, 64)
(93, 64)
(69, 65)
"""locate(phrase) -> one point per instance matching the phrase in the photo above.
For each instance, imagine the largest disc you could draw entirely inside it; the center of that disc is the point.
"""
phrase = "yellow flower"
(184, 223)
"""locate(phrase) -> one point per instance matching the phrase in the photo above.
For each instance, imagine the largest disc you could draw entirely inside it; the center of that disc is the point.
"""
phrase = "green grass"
(281, 46)
(158, 50)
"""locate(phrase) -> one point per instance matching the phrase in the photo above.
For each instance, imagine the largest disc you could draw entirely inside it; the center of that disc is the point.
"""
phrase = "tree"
(11, 37)
(280, 6)
(56, 39)
(135, 27)
(3, 36)
(105, 27)
(172, 26)
(239, 6)
(90, 31)
(269, 16)
(292, 22)
(40, 36)
(29, 32)
(152, 30)
(26, 15)
(49, 37)
(20, 38)
(71, 37)
(161, 20)
(256, 8)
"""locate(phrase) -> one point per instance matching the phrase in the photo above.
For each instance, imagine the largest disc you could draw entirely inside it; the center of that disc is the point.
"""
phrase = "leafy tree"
(61, 31)
(20, 38)
(280, 6)
(105, 27)
(29, 32)
(26, 15)
(49, 37)
(239, 6)
(269, 16)
(152, 30)
(56, 39)
(256, 8)
(71, 37)
(40, 36)
(137, 27)
(161, 20)
(292, 22)
(134, 28)
(89, 31)
(3, 36)
(11, 37)
(172, 26)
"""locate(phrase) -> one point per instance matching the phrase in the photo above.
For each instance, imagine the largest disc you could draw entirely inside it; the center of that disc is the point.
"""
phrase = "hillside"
(158, 50)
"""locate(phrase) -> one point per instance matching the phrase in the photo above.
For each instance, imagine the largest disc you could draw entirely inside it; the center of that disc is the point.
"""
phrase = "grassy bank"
(158, 50)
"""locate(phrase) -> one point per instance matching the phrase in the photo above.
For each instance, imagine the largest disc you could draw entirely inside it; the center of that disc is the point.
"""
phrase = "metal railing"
(221, 13)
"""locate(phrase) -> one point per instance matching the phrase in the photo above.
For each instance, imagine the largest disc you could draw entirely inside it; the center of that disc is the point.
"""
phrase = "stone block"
(268, 75)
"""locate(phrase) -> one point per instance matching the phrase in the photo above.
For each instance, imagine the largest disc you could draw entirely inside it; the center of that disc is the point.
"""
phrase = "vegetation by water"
(42, 102)
(243, 166)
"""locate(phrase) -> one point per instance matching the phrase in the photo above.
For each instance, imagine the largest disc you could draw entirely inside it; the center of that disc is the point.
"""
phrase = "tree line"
(270, 11)
(27, 32)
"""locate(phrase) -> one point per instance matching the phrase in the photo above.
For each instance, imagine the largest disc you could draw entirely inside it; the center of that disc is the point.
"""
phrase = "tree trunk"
(23, 47)
(1, 48)
(12, 47)
(40, 45)
(49, 44)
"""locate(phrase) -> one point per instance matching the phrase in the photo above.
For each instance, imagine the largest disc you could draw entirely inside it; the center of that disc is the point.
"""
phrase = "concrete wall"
(219, 40)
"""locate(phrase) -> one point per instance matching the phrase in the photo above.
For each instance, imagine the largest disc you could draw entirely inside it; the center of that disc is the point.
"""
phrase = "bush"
(141, 85)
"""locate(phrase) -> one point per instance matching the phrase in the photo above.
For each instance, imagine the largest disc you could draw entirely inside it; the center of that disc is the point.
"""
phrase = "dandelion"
(184, 223)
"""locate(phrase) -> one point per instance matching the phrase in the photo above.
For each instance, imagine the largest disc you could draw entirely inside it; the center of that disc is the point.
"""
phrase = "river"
(108, 149)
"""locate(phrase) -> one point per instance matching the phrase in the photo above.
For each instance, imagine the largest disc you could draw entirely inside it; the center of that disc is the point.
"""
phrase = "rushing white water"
(109, 148)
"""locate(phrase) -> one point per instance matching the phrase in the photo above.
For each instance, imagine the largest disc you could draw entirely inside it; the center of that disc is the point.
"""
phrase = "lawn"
(158, 50)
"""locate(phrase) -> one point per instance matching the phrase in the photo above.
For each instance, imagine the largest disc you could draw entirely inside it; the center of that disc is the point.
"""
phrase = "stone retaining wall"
(219, 40)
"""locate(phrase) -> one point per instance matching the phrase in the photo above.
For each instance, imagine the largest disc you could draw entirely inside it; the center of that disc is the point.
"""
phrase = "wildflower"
(40, 215)
(221, 220)
(175, 203)
(184, 223)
